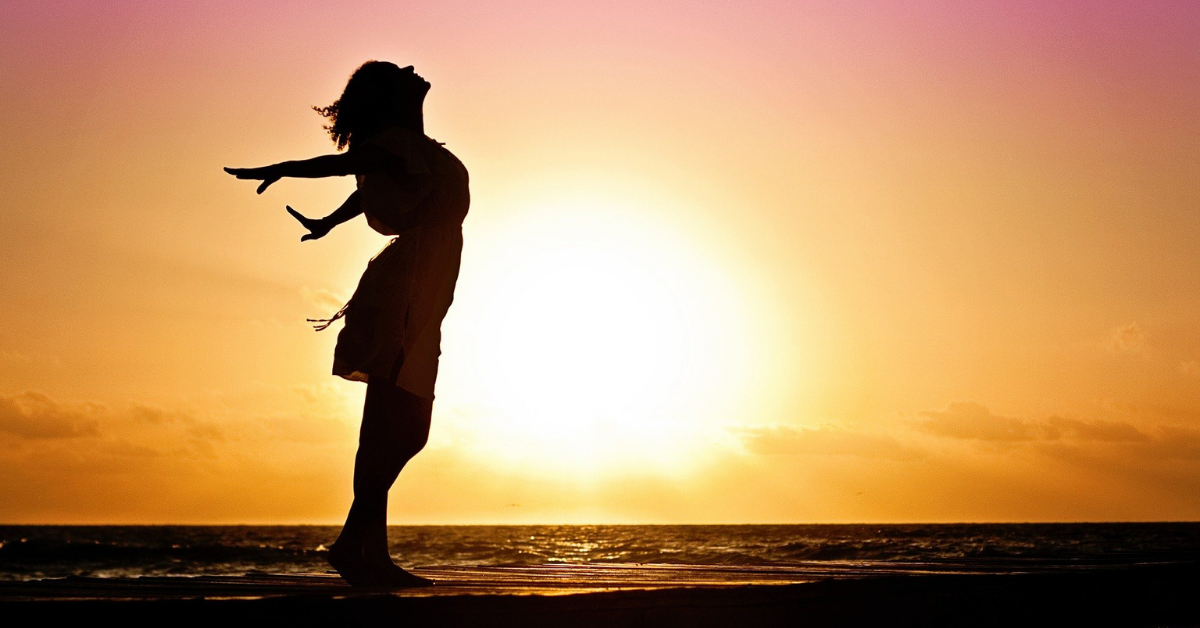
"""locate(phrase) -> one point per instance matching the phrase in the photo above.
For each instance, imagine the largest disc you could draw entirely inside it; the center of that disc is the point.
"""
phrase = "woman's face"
(414, 82)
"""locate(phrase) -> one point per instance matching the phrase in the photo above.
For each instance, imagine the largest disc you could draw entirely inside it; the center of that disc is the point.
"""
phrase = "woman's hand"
(266, 174)
(317, 227)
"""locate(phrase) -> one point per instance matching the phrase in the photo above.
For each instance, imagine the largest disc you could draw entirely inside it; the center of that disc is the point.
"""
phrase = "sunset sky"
(846, 261)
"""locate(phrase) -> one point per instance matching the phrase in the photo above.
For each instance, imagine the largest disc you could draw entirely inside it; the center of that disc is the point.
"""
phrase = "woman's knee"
(398, 423)
(409, 441)
(411, 418)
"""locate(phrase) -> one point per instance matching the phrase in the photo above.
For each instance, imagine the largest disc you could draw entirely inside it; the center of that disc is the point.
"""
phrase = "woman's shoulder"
(421, 152)
(402, 143)
(393, 137)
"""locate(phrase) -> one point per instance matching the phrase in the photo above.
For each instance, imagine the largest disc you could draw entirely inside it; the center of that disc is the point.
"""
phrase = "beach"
(1129, 574)
(637, 595)
(1101, 574)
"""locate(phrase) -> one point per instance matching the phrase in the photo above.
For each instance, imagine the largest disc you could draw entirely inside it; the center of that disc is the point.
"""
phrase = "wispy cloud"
(1127, 338)
(323, 298)
(823, 441)
(1177, 443)
(966, 420)
(149, 414)
(970, 420)
(37, 416)
(1093, 430)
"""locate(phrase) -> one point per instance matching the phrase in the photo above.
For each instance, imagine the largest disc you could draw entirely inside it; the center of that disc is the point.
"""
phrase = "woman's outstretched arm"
(361, 161)
(318, 227)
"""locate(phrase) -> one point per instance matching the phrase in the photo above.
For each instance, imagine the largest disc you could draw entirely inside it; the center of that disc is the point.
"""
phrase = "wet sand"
(819, 594)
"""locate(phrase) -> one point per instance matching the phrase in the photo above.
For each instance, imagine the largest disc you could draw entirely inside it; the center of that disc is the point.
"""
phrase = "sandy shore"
(638, 595)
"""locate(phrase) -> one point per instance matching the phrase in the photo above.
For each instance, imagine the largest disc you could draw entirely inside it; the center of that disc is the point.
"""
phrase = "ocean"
(33, 552)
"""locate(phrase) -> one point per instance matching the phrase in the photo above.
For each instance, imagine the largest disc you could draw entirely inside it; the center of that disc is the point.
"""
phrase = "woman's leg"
(395, 427)
(400, 435)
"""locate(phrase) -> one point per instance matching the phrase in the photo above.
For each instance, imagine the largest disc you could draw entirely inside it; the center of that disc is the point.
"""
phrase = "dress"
(393, 322)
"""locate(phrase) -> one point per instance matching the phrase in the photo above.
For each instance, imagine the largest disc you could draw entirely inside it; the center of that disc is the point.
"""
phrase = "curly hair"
(375, 97)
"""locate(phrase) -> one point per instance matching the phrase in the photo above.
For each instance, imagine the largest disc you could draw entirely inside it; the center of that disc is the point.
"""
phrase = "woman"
(412, 188)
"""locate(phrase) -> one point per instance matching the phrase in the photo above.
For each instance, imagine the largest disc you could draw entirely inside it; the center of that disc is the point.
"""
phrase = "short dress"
(393, 322)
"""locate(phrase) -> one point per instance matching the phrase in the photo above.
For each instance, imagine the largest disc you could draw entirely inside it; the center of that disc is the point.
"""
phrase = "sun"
(596, 338)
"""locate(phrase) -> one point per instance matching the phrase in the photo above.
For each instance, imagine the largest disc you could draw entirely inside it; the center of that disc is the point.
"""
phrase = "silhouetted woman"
(410, 187)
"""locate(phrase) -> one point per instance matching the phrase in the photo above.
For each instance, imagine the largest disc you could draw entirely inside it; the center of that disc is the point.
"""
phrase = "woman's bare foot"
(351, 566)
(387, 573)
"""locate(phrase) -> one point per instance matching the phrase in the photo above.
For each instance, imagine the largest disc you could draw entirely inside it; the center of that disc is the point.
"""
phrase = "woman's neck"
(414, 120)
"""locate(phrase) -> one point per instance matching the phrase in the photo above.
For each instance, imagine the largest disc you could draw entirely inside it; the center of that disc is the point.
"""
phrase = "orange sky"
(726, 262)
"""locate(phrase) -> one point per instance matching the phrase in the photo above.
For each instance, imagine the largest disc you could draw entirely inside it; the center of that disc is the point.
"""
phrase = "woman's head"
(378, 95)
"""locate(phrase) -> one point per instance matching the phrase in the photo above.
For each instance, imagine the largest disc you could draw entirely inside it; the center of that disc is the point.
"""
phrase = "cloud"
(1061, 436)
(34, 415)
(156, 416)
(323, 298)
(1128, 338)
(1095, 430)
(966, 420)
(1177, 443)
(126, 449)
(198, 431)
(824, 441)
(970, 420)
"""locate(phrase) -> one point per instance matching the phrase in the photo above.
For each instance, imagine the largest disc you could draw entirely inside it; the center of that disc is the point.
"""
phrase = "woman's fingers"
(297, 215)
(246, 173)
(266, 184)
(262, 174)
(313, 226)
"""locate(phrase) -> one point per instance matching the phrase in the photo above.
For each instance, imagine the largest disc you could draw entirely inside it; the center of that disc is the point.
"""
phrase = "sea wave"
(28, 552)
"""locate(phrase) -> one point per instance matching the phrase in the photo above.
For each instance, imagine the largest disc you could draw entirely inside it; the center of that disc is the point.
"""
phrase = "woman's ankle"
(344, 547)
